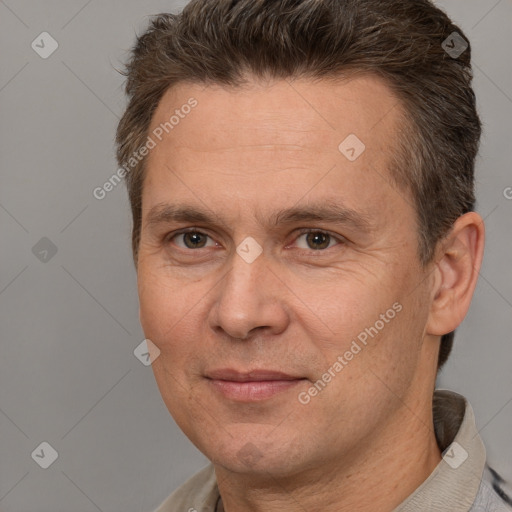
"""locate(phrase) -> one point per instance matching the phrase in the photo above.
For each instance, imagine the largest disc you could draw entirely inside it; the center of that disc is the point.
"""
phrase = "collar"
(454, 483)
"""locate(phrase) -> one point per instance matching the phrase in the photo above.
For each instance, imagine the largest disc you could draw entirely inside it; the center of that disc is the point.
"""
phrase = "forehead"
(278, 136)
(280, 111)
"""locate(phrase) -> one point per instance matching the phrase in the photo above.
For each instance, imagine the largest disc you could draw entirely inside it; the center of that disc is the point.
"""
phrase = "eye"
(316, 240)
(308, 239)
(191, 239)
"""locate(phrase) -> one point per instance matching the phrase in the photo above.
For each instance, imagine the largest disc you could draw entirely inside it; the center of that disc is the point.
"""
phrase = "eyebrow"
(317, 212)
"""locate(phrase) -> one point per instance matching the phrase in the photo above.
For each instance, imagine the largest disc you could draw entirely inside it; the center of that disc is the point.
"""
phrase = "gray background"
(69, 325)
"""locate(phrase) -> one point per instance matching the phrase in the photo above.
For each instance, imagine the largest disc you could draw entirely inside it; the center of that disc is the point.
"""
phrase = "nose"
(249, 298)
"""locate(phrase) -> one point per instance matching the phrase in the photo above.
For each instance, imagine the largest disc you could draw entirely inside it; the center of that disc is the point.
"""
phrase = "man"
(301, 182)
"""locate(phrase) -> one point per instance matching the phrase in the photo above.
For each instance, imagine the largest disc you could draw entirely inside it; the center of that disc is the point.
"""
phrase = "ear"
(458, 261)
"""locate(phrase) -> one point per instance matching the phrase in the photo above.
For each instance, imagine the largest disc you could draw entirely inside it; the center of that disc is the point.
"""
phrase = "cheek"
(348, 306)
(163, 308)
(377, 324)
(166, 316)
(390, 359)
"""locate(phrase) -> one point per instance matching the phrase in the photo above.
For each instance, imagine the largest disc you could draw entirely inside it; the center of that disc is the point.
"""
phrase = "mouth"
(253, 385)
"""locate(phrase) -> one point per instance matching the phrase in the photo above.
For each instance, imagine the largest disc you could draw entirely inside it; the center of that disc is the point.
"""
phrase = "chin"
(255, 454)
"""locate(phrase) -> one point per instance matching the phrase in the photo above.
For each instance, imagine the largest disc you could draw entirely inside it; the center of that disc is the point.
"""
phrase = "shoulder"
(198, 494)
(491, 496)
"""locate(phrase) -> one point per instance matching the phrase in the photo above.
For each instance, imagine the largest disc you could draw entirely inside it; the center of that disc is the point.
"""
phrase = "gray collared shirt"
(461, 482)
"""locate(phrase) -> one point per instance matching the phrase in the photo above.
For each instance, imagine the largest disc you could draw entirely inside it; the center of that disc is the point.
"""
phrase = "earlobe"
(459, 258)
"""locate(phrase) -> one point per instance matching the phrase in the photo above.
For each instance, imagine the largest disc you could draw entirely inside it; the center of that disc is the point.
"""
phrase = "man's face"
(243, 335)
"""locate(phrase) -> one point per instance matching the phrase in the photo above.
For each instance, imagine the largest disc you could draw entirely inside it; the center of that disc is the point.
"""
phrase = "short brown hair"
(405, 42)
